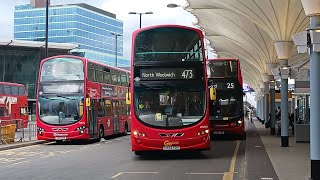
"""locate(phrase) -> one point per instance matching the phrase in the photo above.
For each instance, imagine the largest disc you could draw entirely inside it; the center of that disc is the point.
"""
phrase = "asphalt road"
(113, 159)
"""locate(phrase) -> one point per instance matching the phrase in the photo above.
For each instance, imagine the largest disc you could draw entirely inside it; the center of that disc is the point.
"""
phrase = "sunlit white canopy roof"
(248, 29)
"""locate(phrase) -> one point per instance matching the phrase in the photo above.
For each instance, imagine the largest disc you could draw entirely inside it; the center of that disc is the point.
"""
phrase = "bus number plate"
(60, 138)
(218, 132)
(168, 148)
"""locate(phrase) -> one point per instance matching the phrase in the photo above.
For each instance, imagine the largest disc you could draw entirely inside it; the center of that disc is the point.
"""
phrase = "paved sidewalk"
(290, 163)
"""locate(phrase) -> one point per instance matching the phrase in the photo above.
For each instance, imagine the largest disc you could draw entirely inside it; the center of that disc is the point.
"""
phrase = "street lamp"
(140, 14)
(47, 27)
(116, 35)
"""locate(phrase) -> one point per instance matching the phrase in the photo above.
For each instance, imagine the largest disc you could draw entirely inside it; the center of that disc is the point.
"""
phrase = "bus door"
(93, 123)
(115, 112)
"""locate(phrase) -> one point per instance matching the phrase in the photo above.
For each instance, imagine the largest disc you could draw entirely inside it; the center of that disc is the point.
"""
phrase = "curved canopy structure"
(248, 30)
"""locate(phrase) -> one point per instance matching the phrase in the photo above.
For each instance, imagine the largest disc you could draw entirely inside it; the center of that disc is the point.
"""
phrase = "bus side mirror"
(128, 100)
(212, 92)
(87, 102)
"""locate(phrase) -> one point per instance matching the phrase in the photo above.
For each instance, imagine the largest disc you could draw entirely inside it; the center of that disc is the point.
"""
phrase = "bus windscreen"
(168, 44)
(222, 69)
(62, 69)
(169, 107)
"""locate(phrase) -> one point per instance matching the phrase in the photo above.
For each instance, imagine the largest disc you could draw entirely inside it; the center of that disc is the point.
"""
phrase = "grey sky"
(162, 15)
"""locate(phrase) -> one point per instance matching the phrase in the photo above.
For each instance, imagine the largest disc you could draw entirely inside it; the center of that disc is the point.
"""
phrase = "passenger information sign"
(159, 74)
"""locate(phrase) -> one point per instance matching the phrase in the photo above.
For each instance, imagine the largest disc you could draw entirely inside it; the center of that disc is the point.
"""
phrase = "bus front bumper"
(149, 144)
(56, 136)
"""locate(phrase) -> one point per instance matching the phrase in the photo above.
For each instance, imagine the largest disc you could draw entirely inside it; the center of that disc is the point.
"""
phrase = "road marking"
(229, 175)
(120, 173)
(266, 178)
(193, 173)
(84, 147)
(49, 155)
(48, 143)
(257, 146)
(63, 152)
(9, 160)
(22, 162)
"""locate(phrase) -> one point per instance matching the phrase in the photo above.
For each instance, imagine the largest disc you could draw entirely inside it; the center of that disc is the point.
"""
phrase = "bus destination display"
(222, 85)
(61, 88)
(158, 74)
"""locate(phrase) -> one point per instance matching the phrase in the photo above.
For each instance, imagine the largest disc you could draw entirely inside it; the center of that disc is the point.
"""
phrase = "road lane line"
(229, 175)
(192, 173)
(22, 162)
(63, 152)
(120, 173)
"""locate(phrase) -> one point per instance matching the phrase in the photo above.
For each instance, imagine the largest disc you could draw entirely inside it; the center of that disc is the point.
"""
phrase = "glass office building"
(93, 29)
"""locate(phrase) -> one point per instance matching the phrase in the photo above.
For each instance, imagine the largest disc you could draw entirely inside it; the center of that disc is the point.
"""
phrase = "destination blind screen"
(159, 74)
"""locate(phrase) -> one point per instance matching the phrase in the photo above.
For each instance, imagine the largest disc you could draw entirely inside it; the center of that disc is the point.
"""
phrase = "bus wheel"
(138, 153)
(243, 137)
(101, 132)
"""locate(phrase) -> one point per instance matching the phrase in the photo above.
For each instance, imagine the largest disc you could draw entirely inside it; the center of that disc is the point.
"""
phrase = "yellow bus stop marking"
(229, 175)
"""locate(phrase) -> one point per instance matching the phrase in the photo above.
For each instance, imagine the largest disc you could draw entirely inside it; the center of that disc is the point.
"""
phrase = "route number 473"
(187, 74)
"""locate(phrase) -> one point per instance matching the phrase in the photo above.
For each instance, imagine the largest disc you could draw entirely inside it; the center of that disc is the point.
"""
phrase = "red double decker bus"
(226, 109)
(81, 99)
(13, 104)
(169, 90)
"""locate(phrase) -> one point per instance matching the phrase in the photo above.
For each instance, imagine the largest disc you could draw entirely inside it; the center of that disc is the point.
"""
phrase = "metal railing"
(17, 130)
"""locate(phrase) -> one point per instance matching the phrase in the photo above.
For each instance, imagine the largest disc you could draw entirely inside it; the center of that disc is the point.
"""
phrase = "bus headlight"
(40, 130)
(138, 134)
(81, 128)
(203, 132)
(239, 123)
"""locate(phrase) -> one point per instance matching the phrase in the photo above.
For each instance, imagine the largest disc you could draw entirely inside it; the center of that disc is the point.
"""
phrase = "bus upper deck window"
(21, 91)
(6, 89)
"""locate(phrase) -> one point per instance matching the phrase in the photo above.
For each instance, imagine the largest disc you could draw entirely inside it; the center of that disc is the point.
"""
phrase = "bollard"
(29, 125)
(22, 130)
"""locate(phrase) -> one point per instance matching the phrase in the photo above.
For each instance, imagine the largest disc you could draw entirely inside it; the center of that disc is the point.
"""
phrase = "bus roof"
(166, 25)
(11, 84)
(85, 60)
(223, 59)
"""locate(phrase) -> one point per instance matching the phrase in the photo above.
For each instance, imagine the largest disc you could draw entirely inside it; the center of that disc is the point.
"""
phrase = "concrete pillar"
(262, 109)
(258, 108)
(272, 107)
(312, 9)
(307, 115)
(284, 109)
(284, 50)
(272, 85)
(266, 99)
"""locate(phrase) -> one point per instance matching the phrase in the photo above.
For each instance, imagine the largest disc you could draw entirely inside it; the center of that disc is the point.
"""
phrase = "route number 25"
(230, 85)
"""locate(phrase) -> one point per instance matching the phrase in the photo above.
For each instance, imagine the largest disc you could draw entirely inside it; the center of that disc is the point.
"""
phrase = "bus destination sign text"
(158, 74)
